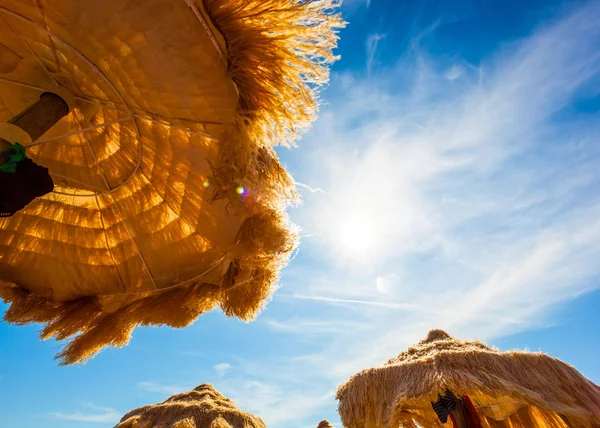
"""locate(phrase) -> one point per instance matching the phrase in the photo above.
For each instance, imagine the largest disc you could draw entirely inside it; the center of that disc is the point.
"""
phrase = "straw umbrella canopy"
(202, 407)
(507, 389)
(324, 424)
(168, 199)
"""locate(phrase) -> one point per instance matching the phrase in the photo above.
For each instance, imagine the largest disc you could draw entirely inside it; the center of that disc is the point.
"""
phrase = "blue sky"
(451, 182)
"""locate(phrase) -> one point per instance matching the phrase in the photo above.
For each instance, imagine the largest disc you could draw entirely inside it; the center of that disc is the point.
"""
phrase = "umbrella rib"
(149, 115)
(25, 85)
(45, 19)
(12, 51)
(191, 131)
(192, 5)
(125, 222)
(162, 120)
(187, 281)
(79, 131)
(78, 182)
(108, 248)
(33, 52)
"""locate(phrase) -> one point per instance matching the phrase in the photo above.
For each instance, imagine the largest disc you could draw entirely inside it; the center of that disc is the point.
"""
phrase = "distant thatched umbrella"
(501, 389)
(324, 424)
(202, 407)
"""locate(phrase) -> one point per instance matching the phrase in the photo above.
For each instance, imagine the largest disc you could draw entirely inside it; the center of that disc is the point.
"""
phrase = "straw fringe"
(202, 407)
(278, 53)
(94, 329)
(375, 397)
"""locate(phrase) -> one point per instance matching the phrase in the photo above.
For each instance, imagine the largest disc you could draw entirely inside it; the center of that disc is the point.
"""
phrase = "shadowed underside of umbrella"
(507, 389)
(203, 407)
(169, 199)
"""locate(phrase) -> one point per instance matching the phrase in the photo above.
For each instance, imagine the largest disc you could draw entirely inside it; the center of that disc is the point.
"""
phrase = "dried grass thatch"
(509, 389)
(202, 407)
(146, 225)
(324, 424)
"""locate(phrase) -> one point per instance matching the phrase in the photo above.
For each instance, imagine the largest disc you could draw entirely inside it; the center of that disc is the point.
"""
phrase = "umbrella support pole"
(21, 180)
(34, 121)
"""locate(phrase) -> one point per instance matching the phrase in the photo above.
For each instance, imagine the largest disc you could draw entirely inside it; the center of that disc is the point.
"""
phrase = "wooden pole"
(38, 118)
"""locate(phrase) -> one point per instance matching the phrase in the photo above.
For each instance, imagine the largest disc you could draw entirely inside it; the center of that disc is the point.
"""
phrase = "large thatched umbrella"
(471, 384)
(148, 191)
(202, 407)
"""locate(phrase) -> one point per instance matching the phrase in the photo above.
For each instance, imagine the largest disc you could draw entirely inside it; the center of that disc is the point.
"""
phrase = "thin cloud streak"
(315, 327)
(372, 43)
(106, 415)
(403, 306)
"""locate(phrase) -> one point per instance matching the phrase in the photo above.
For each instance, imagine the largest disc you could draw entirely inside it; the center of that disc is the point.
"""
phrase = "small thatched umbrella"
(138, 180)
(470, 384)
(324, 424)
(202, 407)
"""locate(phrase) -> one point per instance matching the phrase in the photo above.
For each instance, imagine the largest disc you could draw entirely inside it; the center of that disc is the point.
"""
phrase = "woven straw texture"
(172, 201)
(509, 389)
(202, 407)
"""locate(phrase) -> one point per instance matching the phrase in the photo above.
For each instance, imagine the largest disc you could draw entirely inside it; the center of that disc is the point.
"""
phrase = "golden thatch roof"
(324, 424)
(169, 199)
(509, 389)
(202, 407)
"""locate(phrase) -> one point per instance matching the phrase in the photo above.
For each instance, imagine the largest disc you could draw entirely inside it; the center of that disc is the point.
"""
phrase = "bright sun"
(356, 236)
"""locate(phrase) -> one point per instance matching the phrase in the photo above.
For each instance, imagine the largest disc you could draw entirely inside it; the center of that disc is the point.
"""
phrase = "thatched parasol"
(507, 389)
(202, 407)
(168, 198)
(324, 424)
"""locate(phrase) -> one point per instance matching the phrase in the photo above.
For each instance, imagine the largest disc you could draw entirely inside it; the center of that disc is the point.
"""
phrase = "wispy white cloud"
(454, 72)
(222, 368)
(160, 388)
(279, 406)
(99, 415)
(372, 43)
(467, 195)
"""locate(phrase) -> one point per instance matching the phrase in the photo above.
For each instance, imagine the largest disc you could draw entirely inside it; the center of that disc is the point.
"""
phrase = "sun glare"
(356, 236)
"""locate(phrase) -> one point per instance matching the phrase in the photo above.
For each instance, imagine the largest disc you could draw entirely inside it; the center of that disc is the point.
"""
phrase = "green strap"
(18, 155)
